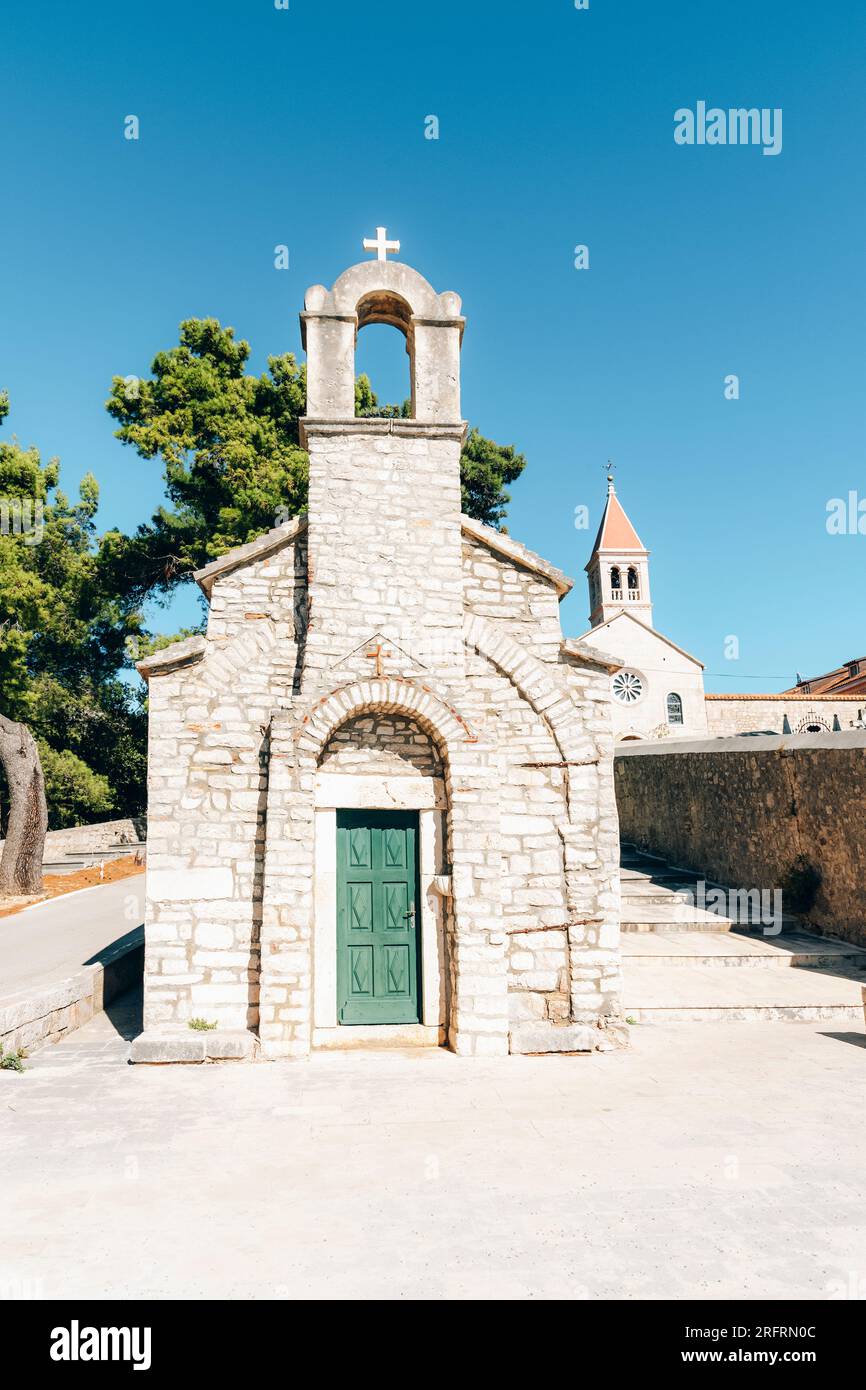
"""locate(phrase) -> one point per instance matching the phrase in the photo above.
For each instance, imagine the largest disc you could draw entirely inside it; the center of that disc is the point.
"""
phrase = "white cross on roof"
(380, 244)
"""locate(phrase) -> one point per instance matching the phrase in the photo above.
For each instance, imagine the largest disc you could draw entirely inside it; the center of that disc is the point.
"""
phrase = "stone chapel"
(381, 803)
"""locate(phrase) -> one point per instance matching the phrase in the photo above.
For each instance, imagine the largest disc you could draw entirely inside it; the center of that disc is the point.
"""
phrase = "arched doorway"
(381, 834)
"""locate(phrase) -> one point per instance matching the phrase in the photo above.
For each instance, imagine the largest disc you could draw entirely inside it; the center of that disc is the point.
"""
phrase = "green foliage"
(75, 793)
(105, 727)
(149, 643)
(231, 457)
(485, 470)
(229, 447)
(367, 404)
(200, 1025)
(63, 634)
(12, 1061)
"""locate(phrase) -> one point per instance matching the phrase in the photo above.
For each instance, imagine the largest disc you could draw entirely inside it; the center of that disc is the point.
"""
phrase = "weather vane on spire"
(380, 244)
(610, 467)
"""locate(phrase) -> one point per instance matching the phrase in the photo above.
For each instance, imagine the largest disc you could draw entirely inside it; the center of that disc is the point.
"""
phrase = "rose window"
(627, 687)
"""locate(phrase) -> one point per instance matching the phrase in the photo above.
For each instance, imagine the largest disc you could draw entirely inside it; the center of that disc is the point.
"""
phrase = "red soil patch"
(55, 885)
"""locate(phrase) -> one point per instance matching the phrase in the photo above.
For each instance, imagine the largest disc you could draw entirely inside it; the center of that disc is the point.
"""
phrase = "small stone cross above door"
(376, 655)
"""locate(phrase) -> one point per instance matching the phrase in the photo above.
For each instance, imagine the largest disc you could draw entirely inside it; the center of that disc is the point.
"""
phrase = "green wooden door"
(378, 959)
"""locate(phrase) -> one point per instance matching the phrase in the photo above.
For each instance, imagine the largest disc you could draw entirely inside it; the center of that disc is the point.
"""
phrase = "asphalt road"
(54, 940)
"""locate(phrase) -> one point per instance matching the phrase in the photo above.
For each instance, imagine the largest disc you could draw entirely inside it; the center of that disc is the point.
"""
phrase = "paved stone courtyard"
(708, 1161)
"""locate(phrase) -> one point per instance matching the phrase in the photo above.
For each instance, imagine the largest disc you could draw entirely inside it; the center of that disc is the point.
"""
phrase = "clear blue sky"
(306, 127)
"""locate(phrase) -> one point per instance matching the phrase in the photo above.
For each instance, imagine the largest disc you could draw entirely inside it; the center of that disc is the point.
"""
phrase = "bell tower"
(618, 568)
(384, 498)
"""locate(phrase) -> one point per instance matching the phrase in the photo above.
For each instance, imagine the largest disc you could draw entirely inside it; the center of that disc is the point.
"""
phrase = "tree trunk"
(21, 864)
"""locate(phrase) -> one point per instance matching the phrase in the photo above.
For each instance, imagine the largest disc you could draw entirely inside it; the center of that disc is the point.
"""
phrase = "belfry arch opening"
(385, 357)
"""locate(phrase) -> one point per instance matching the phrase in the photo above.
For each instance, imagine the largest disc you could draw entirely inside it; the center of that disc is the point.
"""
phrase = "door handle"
(411, 912)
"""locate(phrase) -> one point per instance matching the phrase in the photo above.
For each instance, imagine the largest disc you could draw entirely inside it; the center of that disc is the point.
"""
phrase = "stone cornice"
(255, 549)
(378, 425)
(590, 656)
(178, 654)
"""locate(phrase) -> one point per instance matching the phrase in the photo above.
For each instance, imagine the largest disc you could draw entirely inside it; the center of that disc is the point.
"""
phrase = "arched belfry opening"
(382, 306)
(385, 353)
(392, 293)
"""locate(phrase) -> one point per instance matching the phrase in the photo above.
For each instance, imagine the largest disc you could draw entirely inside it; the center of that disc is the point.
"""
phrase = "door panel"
(396, 901)
(378, 952)
(361, 972)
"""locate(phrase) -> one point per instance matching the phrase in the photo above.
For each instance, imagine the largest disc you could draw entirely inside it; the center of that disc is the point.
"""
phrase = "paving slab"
(702, 1162)
(657, 993)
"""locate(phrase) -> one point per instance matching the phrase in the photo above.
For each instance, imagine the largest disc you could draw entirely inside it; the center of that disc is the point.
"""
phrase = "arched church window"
(627, 687)
(632, 577)
(615, 579)
(675, 708)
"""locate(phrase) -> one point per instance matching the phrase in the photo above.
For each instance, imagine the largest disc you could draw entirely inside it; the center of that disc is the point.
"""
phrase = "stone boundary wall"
(46, 1012)
(743, 810)
(747, 714)
(103, 835)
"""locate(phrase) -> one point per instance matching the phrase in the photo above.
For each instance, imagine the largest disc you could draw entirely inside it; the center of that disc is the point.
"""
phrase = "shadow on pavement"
(855, 1039)
(124, 1012)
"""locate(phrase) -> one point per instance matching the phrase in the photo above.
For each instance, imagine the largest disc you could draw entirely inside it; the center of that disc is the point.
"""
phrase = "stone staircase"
(683, 962)
(74, 860)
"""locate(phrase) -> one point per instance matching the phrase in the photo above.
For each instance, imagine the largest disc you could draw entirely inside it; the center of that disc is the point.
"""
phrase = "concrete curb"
(46, 1012)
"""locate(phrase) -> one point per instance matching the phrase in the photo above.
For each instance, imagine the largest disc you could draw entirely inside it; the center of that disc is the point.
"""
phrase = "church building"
(659, 689)
(381, 803)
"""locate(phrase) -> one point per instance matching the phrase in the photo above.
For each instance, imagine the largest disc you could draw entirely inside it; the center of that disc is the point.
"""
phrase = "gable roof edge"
(624, 613)
(516, 552)
(256, 549)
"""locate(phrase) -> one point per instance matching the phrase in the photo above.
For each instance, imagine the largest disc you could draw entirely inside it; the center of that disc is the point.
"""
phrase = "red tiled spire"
(616, 531)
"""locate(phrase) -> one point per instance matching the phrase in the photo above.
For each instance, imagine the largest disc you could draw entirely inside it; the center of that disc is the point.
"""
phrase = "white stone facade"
(383, 653)
(664, 694)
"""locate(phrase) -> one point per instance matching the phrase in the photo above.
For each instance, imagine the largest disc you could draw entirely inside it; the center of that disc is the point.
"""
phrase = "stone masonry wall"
(386, 745)
(531, 808)
(101, 835)
(743, 812)
(207, 785)
(384, 536)
(558, 822)
(496, 588)
(753, 714)
(558, 834)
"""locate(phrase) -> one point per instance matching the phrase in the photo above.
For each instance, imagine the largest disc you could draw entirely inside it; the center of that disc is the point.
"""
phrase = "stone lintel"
(380, 425)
